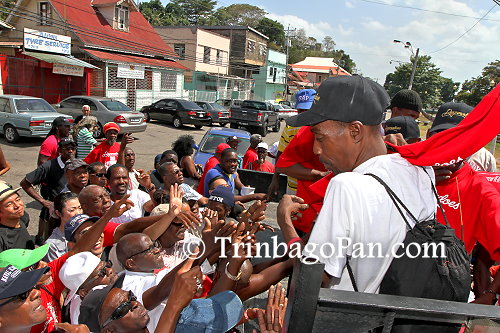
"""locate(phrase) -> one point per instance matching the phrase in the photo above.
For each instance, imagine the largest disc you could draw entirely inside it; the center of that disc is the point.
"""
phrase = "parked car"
(25, 116)
(229, 103)
(105, 110)
(257, 116)
(284, 111)
(287, 103)
(179, 112)
(218, 113)
(216, 135)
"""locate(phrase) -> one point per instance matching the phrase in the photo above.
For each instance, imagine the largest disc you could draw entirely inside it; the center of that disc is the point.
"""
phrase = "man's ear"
(356, 131)
(71, 245)
(129, 263)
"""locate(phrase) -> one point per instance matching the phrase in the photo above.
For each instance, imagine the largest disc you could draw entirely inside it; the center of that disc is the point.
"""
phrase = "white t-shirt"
(138, 283)
(357, 207)
(139, 198)
(483, 161)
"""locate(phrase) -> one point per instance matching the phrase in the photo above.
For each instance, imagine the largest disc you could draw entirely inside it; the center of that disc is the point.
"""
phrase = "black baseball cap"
(66, 141)
(223, 194)
(74, 163)
(61, 121)
(345, 98)
(14, 282)
(407, 126)
(449, 115)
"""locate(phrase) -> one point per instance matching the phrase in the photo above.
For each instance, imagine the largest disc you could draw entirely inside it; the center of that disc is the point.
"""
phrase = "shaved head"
(128, 245)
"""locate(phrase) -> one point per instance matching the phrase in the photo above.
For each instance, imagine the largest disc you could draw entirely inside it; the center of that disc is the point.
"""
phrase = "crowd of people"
(121, 249)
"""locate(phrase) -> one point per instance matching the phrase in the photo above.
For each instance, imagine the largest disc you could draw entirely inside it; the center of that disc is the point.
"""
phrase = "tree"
(428, 81)
(328, 44)
(240, 14)
(272, 29)
(7, 4)
(197, 12)
(475, 89)
(158, 15)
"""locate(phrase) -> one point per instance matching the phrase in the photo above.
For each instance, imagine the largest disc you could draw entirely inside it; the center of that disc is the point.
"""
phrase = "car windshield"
(215, 139)
(115, 106)
(278, 107)
(190, 105)
(33, 105)
(217, 107)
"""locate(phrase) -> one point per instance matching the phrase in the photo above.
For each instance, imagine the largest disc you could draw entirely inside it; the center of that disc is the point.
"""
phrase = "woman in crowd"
(183, 146)
(83, 136)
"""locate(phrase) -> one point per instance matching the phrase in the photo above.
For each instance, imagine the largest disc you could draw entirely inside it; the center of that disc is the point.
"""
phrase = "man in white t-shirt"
(345, 119)
(118, 181)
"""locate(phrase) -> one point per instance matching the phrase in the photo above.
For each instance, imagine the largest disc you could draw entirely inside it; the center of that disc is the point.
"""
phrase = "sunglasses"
(99, 174)
(122, 309)
(101, 273)
(21, 297)
(149, 250)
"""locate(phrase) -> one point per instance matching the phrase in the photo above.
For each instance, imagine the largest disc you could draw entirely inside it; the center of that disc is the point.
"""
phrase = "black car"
(217, 112)
(179, 112)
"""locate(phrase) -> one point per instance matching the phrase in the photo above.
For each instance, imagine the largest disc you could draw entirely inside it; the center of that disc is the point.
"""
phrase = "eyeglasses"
(101, 273)
(122, 309)
(21, 297)
(149, 250)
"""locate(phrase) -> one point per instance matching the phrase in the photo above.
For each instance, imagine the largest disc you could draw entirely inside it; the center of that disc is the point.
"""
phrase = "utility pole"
(415, 59)
(287, 45)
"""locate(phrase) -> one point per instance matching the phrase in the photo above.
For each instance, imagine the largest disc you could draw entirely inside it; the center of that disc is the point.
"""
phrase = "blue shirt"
(217, 171)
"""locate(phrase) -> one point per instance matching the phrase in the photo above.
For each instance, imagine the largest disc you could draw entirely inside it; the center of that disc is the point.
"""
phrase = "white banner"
(67, 69)
(46, 41)
(130, 72)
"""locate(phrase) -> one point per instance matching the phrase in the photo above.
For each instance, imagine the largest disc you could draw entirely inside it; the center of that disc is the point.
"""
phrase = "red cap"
(221, 147)
(110, 126)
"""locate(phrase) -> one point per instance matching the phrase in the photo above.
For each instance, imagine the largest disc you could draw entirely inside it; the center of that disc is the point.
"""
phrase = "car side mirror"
(59, 106)
(196, 147)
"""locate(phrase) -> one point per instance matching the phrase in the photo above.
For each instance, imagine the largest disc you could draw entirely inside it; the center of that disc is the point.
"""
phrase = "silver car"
(105, 110)
(25, 116)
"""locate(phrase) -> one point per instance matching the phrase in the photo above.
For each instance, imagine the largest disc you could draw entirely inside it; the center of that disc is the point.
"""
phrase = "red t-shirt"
(249, 157)
(493, 178)
(109, 233)
(49, 147)
(104, 153)
(468, 199)
(264, 167)
(212, 161)
(51, 296)
(300, 151)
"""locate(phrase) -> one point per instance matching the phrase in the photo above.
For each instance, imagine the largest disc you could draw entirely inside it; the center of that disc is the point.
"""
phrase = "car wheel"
(11, 135)
(177, 122)
(147, 116)
(198, 126)
(210, 122)
(98, 133)
(262, 130)
(233, 125)
(276, 127)
(222, 124)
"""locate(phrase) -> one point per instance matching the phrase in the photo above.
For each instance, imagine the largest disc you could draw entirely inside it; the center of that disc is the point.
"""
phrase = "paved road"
(157, 138)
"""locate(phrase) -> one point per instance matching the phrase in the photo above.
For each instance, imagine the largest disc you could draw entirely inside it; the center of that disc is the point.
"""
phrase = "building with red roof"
(87, 47)
(310, 72)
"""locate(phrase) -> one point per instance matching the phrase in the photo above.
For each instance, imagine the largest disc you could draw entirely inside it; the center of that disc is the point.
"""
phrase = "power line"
(428, 10)
(456, 40)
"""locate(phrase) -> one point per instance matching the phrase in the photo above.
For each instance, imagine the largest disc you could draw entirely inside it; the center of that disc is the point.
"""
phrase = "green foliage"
(240, 14)
(433, 88)
(272, 29)
(6, 4)
(475, 89)
(196, 11)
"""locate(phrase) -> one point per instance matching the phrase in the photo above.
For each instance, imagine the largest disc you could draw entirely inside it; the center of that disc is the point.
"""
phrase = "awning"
(126, 59)
(60, 59)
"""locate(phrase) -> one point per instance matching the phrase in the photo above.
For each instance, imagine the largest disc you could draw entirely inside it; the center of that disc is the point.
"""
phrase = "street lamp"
(408, 46)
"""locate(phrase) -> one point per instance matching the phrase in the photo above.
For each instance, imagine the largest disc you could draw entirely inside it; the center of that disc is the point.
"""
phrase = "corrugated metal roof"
(59, 59)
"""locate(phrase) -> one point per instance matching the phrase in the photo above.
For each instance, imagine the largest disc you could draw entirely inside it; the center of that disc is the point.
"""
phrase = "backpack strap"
(395, 199)
(437, 198)
(351, 275)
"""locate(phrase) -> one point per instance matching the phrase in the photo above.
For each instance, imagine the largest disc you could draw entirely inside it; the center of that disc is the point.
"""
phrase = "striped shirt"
(287, 136)
(85, 142)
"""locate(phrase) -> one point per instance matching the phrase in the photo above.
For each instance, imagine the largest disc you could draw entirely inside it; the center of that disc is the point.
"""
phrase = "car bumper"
(196, 121)
(135, 128)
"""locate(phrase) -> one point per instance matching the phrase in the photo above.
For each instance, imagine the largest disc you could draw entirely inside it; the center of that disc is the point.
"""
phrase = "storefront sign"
(67, 69)
(130, 72)
(46, 41)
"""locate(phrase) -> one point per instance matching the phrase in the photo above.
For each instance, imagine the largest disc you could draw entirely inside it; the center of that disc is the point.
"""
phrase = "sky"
(365, 29)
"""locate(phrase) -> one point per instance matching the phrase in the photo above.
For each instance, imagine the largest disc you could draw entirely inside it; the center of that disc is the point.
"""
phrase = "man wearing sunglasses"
(97, 174)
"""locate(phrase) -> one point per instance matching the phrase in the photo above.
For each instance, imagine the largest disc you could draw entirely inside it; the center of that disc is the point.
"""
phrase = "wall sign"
(130, 72)
(46, 41)
(66, 69)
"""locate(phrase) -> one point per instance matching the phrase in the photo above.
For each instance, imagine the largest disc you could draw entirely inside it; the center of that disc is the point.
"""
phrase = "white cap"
(263, 145)
(160, 210)
(76, 270)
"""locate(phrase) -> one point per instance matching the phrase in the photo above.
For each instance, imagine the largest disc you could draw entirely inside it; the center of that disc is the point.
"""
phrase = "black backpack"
(434, 278)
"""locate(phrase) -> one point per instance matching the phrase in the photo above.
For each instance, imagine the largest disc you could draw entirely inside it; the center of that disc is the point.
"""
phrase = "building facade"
(270, 81)
(314, 70)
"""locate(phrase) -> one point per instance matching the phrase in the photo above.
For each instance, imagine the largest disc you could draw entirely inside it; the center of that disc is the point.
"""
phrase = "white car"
(284, 111)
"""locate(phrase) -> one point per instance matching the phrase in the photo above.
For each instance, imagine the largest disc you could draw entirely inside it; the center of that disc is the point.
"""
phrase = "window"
(206, 55)
(168, 81)
(146, 83)
(262, 49)
(115, 82)
(5, 105)
(180, 49)
(274, 75)
(271, 71)
(44, 13)
(219, 57)
(121, 17)
(251, 46)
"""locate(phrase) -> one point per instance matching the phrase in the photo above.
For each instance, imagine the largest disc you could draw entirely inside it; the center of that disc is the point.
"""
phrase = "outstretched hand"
(176, 195)
(120, 206)
(291, 206)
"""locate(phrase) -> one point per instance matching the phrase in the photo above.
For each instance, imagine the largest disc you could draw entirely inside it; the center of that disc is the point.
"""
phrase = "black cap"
(450, 115)
(61, 121)
(407, 99)
(345, 99)
(407, 126)
(74, 163)
(14, 282)
(92, 304)
(66, 141)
